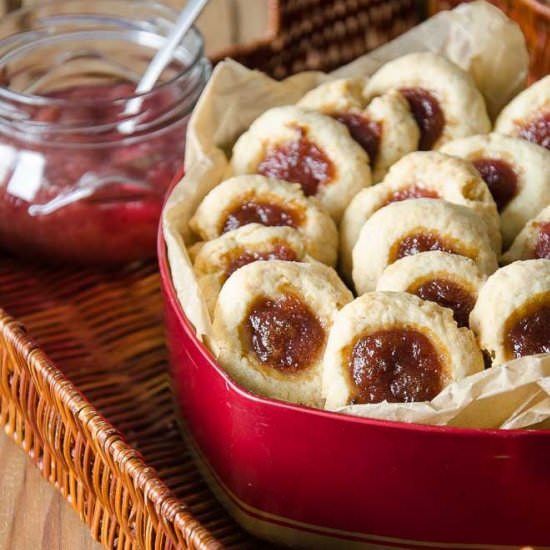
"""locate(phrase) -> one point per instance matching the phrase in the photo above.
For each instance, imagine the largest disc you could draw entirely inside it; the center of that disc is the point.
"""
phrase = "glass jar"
(78, 182)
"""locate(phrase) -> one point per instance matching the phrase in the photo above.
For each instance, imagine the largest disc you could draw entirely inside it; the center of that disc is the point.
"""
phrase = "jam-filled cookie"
(517, 173)
(336, 96)
(443, 98)
(385, 128)
(527, 116)
(512, 314)
(271, 325)
(256, 199)
(447, 279)
(533, 241)
(409, 227)
(217, 260)
(305, 147)
(395, 347)
(427, 174)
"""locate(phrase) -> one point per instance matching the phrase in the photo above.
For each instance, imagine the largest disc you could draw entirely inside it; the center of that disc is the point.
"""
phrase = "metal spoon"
(161, 59)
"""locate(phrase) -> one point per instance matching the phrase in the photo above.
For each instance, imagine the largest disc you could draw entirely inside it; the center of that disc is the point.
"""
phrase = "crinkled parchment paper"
(481, 40)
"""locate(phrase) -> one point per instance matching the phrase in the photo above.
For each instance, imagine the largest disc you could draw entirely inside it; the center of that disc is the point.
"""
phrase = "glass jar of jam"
(78, 182)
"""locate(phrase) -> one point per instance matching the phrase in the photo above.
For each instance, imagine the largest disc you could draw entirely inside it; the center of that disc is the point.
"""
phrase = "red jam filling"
(118, 223)
(528, 331)
(364, 131)
(412, 192)
(537, 131)
(279, 252)
(428, 115)
(542, 248)
(284, 333)
(299, 161)
(397, 365)
(448, 294)
(500, 178)
(420, 242)
(260, 212)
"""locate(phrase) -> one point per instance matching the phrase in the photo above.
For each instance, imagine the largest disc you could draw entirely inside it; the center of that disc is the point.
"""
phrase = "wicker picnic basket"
(84, 386)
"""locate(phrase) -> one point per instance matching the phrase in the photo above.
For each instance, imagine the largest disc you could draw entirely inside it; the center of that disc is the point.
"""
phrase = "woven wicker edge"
(119, 460)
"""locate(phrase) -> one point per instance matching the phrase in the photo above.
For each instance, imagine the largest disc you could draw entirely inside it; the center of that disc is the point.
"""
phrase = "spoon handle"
(161, 59)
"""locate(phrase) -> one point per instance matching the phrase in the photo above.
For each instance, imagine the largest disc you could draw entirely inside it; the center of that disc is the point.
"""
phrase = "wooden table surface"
(33, 515)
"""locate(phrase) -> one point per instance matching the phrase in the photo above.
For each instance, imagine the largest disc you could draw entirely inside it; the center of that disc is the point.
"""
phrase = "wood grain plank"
(251, 20)
(33, 515)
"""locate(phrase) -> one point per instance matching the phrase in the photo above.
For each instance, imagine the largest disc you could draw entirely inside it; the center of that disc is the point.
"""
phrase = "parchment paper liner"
(480, 39)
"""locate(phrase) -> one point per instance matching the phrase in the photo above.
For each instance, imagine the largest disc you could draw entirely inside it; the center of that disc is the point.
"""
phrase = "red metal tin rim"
(170, 291)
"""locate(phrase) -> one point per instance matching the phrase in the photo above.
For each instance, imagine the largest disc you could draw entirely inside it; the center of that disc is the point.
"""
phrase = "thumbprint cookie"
(271, 325)
(308, 148)
(218, 259)
(517, 173)
(527, 116)
(443, 98)
(336, 96)
(395, 347)
(427, 174)
(533, 240)
(385, 128)
(447, 279)
(242, 200)
(409, 227)
(512, 314)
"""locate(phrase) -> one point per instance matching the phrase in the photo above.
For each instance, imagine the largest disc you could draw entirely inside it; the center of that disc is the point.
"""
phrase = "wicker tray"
(88, 396)
(104, 331)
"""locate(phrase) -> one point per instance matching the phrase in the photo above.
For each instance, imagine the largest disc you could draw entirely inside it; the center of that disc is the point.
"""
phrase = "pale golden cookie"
(335, 96)
(512, 315)
(399, 133)
(385, 128)
(443, 98)
(422, 174)
(256, 199)
(271, 326)
(308, 148)
(517, 172)
(527, 116)
(409, 227)
(393, 346)
(447, 279)
(533, 241)
(218, 259)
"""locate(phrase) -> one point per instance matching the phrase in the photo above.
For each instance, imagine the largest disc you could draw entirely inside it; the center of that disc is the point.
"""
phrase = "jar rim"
(37, 99)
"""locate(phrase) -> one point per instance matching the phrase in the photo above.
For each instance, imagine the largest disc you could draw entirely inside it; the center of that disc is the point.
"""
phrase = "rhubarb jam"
(423, 241)
(542, 247)
(262, 212)
(428, 115)
(448, 294)
(537, 130)
(527, 331)
(412, 192)
(500, 178)
(398, 365)
(284, 333)
(278, 252)
(299, 161)
(364, 131)
(80, 195)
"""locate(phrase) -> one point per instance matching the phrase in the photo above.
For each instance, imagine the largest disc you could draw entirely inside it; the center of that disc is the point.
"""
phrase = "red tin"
(316, 479)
